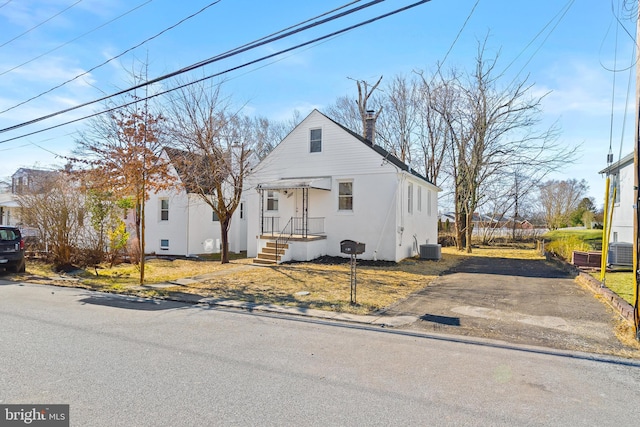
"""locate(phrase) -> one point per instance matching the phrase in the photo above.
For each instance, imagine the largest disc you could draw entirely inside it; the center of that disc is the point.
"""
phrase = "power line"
(246, 64)
(558, 17)
(40, 24)
(112, 58)
(4, 4)
(79, 37)
(192, 67)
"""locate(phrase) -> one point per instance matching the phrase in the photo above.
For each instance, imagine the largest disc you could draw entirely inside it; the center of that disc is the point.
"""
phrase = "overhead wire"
(616, 17)
(113, 57)
(192, 67)
(613, 94)
(563, 13)
(40, 24)
(263, 58)
(4, 4)
(76, 38)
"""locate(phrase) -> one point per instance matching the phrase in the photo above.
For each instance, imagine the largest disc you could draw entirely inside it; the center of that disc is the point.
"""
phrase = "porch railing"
(296, 226)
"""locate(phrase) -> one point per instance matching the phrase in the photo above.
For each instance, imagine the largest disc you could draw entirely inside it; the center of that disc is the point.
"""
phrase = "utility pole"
(636, 184)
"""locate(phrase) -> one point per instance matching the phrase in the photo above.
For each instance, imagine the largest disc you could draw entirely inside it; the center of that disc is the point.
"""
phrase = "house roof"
(320, 183)
(8, 200)
(384, 153)
(614, 167)
(180, 159)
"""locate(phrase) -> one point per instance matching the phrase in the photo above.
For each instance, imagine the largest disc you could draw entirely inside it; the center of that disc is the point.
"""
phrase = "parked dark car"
(11, 249)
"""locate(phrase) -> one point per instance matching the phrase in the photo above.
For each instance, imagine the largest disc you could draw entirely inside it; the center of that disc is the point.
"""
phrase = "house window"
(164, 244)
(241, 210)
(164, 209)
(615, 236)
(419, 199)
(272, 201)
(345, 196)
(410, 198)
(428, 202)
(315, 144)
(215, 216)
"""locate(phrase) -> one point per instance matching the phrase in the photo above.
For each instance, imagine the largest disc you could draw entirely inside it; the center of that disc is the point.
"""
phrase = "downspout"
(188, 221)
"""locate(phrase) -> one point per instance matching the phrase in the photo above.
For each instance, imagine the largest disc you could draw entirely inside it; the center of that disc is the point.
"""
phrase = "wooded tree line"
(471, 133)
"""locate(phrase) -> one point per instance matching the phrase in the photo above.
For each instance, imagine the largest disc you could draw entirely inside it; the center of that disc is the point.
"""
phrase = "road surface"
(123, 361)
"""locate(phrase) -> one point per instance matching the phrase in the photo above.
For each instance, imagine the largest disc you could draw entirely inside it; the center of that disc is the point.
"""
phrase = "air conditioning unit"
(433, 252)
(620, 253)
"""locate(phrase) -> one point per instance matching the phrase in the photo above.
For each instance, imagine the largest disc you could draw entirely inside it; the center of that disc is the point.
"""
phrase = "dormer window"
(315, 141)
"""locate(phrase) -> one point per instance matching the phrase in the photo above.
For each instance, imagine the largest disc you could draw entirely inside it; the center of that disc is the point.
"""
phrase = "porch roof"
(320, 183)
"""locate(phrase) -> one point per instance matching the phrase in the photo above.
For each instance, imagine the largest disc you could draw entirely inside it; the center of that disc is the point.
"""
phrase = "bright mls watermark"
(34, 415)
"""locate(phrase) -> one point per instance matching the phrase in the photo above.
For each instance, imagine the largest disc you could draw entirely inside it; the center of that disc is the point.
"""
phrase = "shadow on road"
(131, 303)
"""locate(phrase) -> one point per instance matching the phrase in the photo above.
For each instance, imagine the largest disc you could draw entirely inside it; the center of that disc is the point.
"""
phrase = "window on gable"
(410, 198)
(164, 209)
(272, 200)
(315, 141)
(345, 196)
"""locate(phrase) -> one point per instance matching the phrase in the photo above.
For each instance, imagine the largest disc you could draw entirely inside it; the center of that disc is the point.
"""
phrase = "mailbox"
(351, 247)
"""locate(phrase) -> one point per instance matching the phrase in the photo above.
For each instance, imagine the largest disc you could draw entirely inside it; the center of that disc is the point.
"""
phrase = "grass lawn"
(619, 282)
(305, 284)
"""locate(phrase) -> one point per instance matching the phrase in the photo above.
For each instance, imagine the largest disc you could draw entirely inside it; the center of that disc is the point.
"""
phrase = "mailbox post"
(352, 248)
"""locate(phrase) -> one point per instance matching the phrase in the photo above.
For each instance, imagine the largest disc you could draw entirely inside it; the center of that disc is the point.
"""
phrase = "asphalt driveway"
(520, 301)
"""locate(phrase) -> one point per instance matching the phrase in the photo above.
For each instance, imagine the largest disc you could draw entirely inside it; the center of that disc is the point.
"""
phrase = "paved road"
(122, 361)
(520, 301)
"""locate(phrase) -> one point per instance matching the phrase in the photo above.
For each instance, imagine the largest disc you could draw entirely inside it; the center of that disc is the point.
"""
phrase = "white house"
(621, 177)
(179, 222)
(324, 184)
(23, 179)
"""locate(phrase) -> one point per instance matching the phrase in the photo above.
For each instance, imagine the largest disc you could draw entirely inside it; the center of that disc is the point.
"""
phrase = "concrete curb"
(383, 321)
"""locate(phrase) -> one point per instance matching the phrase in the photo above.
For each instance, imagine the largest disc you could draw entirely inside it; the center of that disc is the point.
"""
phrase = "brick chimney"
(370, 126)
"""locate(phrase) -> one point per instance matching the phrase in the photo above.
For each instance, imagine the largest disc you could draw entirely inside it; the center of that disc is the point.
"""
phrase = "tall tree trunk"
(224, 231)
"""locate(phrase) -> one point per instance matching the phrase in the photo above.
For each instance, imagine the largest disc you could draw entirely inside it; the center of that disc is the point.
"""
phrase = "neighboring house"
(22, 180)
(324, 184)
(621, 174)
(178, 222)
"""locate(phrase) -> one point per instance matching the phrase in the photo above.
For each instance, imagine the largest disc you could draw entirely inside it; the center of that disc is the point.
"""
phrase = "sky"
(578, 53)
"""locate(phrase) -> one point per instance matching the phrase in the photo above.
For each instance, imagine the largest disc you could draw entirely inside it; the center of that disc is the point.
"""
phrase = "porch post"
(261, 192)
(305, 212)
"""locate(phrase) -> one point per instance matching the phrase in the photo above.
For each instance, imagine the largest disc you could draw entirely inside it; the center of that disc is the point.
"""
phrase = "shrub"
(564, 247)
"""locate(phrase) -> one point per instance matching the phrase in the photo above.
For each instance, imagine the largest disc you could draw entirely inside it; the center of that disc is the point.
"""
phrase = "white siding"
(622, 221)
(379, 188)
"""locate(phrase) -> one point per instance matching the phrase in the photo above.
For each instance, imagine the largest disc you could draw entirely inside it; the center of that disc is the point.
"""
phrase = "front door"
(300, 215)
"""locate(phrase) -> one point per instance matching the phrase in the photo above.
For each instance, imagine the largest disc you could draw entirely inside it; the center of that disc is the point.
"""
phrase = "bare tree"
(493, 130)
(55, 207)
(269, 133)
(353, 113)
(398, 125)
(433, 133)
(559, 199)
(218, 146)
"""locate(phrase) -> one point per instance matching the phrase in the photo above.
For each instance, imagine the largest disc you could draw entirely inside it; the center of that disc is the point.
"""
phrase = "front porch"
(287, 231)
(301, 239)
